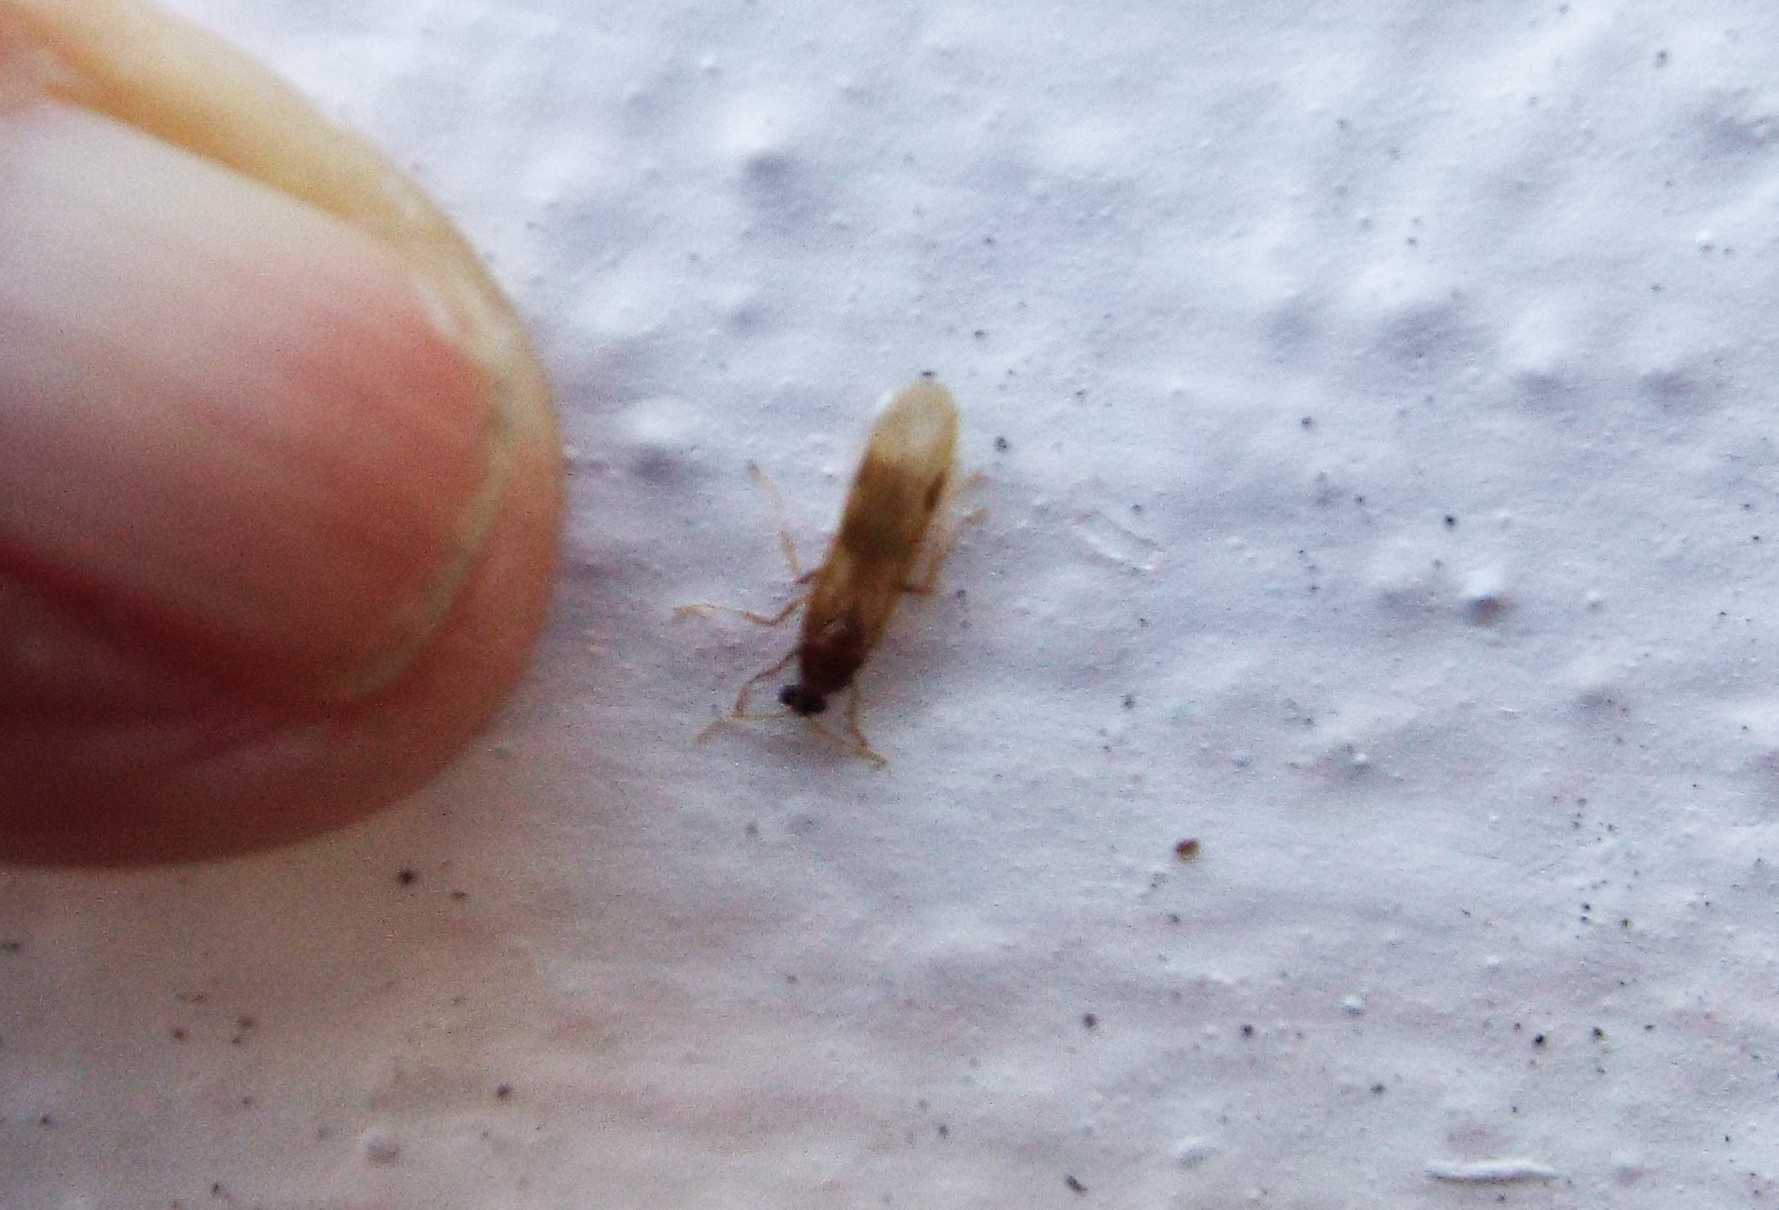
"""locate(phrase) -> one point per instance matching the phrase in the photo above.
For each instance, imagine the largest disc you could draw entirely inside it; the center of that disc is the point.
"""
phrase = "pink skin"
(273, 544)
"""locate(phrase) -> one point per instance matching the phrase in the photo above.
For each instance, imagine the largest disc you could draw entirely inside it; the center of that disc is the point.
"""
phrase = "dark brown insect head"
(827, 660)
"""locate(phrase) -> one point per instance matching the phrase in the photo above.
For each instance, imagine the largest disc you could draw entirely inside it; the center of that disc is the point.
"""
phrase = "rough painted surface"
(1377, 421)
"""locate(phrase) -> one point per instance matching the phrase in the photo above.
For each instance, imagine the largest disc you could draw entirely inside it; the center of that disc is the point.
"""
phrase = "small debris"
(406, 876)
(503, 1091)
(380, 1148)
(1490, 1172)
(1002, 445)
(1186, 849)
(1074, 1185)
(1190, 1152)
(1090, 1020)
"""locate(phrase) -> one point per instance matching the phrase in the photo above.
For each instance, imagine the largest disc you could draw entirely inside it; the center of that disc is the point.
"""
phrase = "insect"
(901, 482)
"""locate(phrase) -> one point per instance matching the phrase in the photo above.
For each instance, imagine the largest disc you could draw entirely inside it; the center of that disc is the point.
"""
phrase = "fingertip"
(295, 538)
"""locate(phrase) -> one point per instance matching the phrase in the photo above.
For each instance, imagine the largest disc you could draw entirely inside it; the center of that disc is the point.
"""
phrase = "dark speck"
(944, 1131)
(1074, 1185)
(1090, 1020)
(460, 896)
(503, 1091)
(1661, 58)
(1308, 422)
(1451, 522)
(1002, 444)
(11, 947)
(1130, 701)
(1538, 1040)
(1377, 1090)
(406, 876)
(980, 334)
(1247, 1031)
(179, 1034)
(46, 1121)
(1598, 1032)
(1186, 849)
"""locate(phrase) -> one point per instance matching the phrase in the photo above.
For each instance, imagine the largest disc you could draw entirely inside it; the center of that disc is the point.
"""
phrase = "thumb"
(279, 482)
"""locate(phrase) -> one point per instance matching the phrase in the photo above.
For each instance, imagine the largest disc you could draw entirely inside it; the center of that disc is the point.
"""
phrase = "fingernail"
(230, 424)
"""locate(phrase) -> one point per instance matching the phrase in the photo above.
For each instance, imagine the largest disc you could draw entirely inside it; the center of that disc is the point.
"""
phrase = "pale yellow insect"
(900, 485)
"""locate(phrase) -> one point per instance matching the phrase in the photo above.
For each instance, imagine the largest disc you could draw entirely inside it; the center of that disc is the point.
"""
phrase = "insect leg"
(740, 712)
(784, 532)
(758, 619)
(747, 686)
(862, 745)
(939, 549)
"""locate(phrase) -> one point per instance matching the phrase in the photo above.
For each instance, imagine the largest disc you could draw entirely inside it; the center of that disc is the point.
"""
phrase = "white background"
(1388, 501)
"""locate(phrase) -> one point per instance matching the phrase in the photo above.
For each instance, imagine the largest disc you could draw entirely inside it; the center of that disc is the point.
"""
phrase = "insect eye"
(801, 700)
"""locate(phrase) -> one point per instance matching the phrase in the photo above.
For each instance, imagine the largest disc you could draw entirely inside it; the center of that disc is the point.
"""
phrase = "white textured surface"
(1389, 501)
